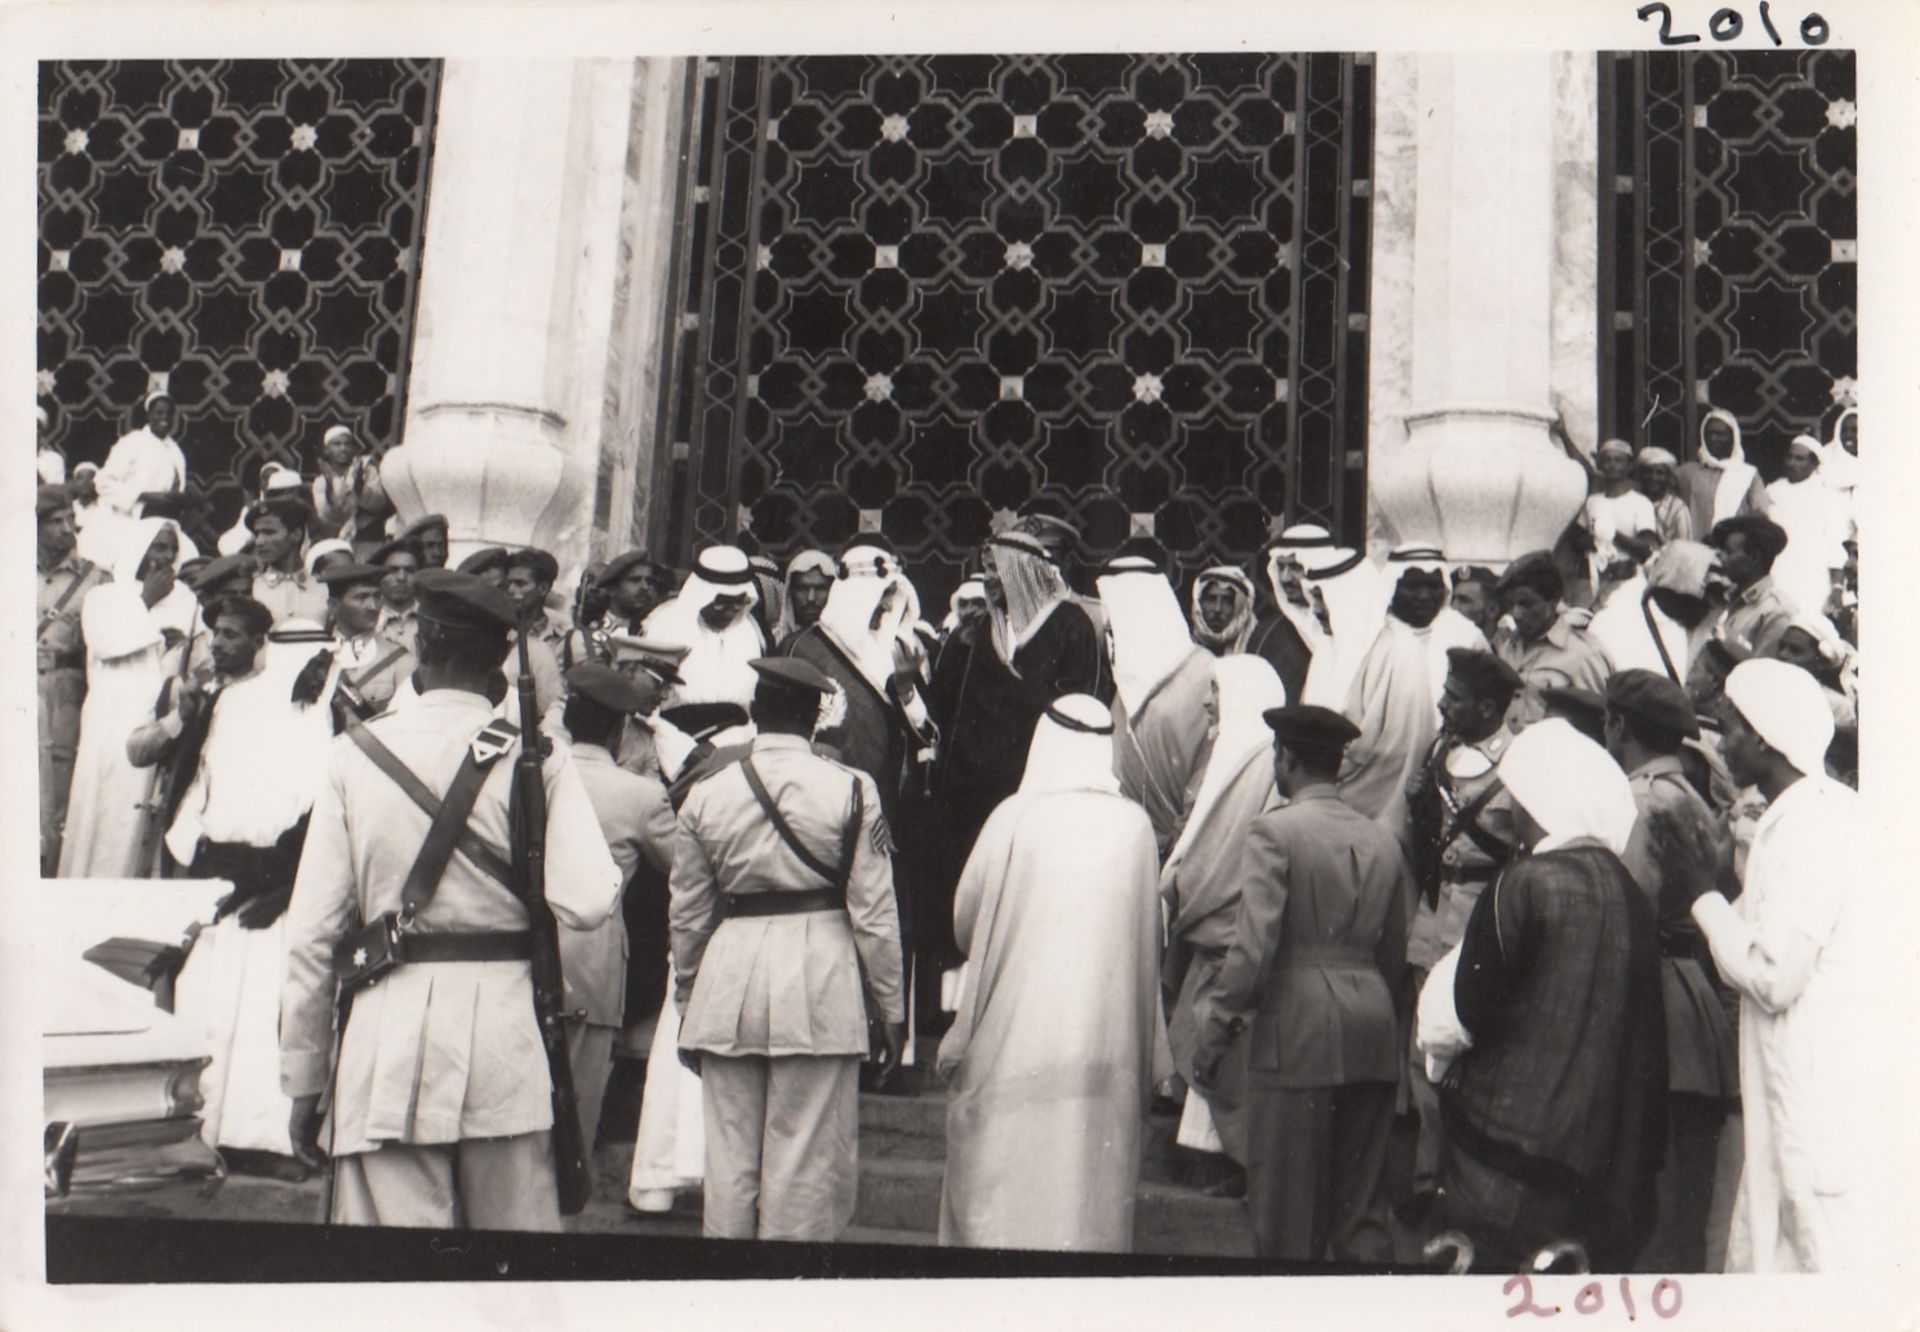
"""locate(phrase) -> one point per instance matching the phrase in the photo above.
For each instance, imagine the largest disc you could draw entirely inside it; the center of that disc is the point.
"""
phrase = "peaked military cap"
(1310, 727)
(539, 563)
(1654, 699)
(607, 687)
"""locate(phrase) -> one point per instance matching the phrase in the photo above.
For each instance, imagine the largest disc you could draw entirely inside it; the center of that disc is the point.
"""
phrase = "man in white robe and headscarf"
(1163, 707)
(135, 629)
(709, 617)
(1719, 483)
(1222, 609)
(1059, 1038)
(808, 582)
(1395, 698)
(1335, 599)
(1819, 947)
(262, 746)
(144, 461)
(1659, 619)
(1200, 885)
(1812, 514)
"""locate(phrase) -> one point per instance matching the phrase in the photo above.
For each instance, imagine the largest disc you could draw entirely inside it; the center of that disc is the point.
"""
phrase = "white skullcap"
(85, 467)
(155, 396)
(319, 550)
(1787, 708)
(280, 478)
(1811, 445)
(1614, 446)
(1570, 785)
(1656, 456)
(336, 432)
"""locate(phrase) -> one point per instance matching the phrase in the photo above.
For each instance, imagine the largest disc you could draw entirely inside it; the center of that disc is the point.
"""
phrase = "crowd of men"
(1557, 867)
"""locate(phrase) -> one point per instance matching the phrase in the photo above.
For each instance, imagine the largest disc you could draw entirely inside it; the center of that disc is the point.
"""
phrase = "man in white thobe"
(1059, 1038)
(709, 618)
(1815, 947)
(1335, 600)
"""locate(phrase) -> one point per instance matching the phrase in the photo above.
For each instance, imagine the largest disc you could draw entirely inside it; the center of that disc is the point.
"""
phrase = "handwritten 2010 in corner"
(1727, 24)
(1591, 1298)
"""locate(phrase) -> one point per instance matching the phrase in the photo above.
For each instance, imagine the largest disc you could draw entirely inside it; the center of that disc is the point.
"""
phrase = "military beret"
(607, 687)
(249, 612)
(790, 673)
(620, 565)
(1485, 674)
(50, 499)
(210, 573)
(1586, 710)
(1310, 727)
(1654, 699)
(341, 577)
(484, 560)
(394, 547)
(462, 601)
(538, 562)
(659, 658)
(189, 570)
(419, 526)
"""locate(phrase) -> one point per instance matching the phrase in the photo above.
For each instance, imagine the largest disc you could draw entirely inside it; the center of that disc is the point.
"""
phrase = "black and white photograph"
(1042, 643)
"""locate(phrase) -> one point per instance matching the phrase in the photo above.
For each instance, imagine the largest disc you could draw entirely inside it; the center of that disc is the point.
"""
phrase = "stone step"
(904, 1195)
(896, 1128)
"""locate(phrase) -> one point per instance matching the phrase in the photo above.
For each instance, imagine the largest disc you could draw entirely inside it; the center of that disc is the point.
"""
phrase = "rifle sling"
(849, 841)
(1468, 821)
(423, 880)
(491, 862)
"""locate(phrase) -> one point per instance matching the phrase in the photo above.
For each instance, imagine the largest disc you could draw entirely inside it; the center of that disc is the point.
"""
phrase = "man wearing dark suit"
(1309, 982)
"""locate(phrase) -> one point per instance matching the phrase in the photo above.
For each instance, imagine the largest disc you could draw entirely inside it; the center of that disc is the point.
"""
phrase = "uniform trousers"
(63, 690)
(590, 1060)
(782, 1133)
(476, 1184)
(1316, 1161)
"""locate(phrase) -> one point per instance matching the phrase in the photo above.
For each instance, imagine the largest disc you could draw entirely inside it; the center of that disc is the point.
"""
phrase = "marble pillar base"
(1484, 484)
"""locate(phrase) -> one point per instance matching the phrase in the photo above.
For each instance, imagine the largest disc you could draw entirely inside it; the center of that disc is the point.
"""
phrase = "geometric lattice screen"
(245, 233)
(918, 292)
(1728, 257)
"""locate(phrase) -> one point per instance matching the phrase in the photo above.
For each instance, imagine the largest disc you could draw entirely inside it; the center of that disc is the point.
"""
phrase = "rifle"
(528, 820)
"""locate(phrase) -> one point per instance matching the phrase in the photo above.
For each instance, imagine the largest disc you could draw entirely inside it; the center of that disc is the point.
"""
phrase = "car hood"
(92, 1017)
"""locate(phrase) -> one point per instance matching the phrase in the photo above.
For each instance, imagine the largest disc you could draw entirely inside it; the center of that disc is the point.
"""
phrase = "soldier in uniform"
(1548, 644)
(639, 828)
(634, 586)
(1462, 831)
(1309, 983)
(781, 900)
(279, 525)
(530, 578)
(428, 538)
(371, 668)
(441, 1110)
(65, 580)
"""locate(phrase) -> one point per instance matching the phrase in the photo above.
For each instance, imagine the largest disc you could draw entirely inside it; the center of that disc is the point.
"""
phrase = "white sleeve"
(1770, 966)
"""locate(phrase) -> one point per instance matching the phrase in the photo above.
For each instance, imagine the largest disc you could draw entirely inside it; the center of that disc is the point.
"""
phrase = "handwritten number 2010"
(1592, 1298)
(1727, 24)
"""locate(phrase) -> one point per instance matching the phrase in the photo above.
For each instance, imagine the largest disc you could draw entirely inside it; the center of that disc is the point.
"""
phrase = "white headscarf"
(972, 589)
(1150, 635)
(1239, 629)
(807, 561)
(716, 668)
(1033, 587)
(1736, 473)
(114, 616)
(1355, 598)
(1072, 748)
(1245, 688)
(1787, 708)
(869, 609)
(1570, 785)
(1838, 468)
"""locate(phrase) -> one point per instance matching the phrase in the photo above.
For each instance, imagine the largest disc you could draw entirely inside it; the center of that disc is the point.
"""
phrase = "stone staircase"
(902, 1154)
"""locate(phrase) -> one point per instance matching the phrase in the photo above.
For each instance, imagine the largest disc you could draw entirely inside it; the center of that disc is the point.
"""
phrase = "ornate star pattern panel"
(921, 292)
(243, 234)
(1729, 251)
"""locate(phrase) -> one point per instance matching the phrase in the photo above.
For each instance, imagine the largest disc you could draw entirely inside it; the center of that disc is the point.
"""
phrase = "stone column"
(1479, 474)
(544, 260)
